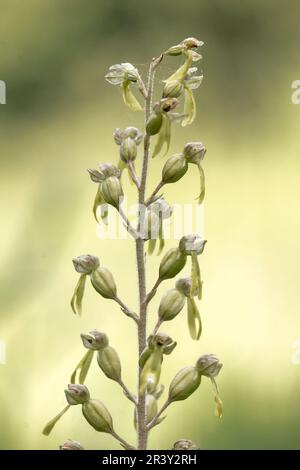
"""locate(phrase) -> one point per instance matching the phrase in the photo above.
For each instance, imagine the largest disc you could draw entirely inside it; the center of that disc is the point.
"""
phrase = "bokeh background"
(58, 120)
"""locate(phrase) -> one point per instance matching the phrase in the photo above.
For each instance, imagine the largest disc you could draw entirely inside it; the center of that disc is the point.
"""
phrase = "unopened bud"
(173, 89)
(118, 136)
(85, 264)
(109, 362)
(104, 283)
(77, 394)
(108, 169)
(174, 168)
(171, 264)
(171, 304)
(194, 152)
(209, 365)
(95, 175)
(184, 286)
(185, 382)
(134, 133)
(94, 340)
(71, 445)
(112, 191)
(185, 444)
(128, 150)
(154, 123)
(98, 416)
(190, 244)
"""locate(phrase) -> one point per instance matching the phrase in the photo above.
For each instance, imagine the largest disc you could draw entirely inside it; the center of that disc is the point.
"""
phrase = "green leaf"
(129, 98)
(76, 301)
(49, 426)
(164, 136)
(194, 320)
(83, 366)
(189, 106)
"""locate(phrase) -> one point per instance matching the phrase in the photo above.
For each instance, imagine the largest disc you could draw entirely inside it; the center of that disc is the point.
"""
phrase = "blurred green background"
(58, 121)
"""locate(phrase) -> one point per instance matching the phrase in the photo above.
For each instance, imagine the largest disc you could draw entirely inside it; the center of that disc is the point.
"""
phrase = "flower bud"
(173, 89)
(128, 150)
(185, 382)
(94, 340)
(174, 168)
(134, 133)
(151, 407)
(118, 136)
(171, 304)
(109, 363)
(190, 244)
(171, 264)
(112, 191)
(209, 365)
(174, 50)
(98, 416)
(108, 169)
(104, 283)
(154, 123)
(194, 152)
(85, 264)
(184, 285)
(95, 175)
(77, 394)
(185, 444)
(71, 445)
(192, 43)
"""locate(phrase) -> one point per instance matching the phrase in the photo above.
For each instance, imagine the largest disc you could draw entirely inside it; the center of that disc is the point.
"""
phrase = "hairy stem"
(142, 432)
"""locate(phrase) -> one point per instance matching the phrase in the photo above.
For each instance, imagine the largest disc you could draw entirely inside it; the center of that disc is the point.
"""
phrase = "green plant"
(153, 210)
